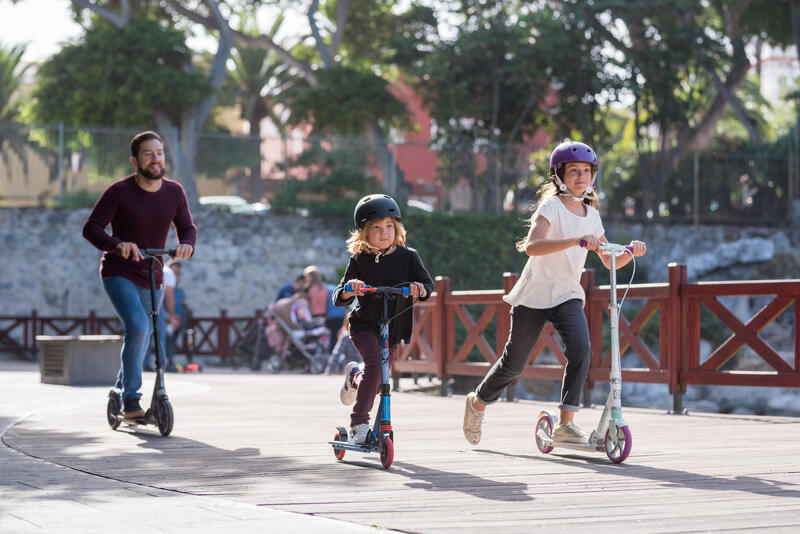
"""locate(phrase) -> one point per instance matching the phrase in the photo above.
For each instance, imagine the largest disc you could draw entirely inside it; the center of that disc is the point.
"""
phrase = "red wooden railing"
(675, 362)
(436, 349)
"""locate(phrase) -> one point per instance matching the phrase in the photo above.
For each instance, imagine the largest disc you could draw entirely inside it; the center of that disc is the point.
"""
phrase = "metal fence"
(65, 166)
(69, 166)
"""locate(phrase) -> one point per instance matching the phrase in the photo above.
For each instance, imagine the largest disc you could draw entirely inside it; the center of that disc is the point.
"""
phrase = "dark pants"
(526, 325)
(368, 346)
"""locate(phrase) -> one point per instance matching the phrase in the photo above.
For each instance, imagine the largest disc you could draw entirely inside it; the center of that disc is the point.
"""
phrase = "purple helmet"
(572, 152)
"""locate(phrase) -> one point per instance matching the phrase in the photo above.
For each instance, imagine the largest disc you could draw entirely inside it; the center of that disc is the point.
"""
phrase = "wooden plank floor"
(262, 439)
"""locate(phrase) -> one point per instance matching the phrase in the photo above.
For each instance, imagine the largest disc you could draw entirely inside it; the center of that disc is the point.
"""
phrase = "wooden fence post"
(675, 332)
(441, 351)
(33, 332)
(222, 335)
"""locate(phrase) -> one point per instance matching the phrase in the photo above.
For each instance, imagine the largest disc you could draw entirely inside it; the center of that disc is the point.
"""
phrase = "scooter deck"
(357, 447)
(548, 441)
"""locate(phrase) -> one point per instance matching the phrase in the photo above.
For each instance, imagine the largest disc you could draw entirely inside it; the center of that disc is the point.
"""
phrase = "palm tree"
(262, 83)
(12, 136)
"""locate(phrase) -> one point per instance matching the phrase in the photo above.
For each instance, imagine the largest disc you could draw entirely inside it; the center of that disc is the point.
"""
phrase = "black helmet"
(375, 207)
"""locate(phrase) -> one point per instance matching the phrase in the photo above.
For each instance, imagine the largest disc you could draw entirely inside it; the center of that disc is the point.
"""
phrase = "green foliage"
(82, 198)
(345, 100)
(11, 73)
(338, 178)
(473, 249)
(378, 34)
(118, 77)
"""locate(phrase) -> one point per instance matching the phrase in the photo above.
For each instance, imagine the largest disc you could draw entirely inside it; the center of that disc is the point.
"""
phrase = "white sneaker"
(358, 434)
(473, 419)
(348, 392)
(569, 433)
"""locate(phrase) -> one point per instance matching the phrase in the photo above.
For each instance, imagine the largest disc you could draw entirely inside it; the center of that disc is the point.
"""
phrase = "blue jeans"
(132, 304)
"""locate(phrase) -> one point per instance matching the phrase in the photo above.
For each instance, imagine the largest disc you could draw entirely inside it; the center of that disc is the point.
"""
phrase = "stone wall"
(239, 264)
(242, 260)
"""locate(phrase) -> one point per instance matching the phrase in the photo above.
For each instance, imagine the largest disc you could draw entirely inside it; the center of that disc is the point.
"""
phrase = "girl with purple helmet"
(549, 288)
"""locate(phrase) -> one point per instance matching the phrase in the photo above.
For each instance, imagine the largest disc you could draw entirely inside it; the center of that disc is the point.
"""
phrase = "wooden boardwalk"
(262, 439)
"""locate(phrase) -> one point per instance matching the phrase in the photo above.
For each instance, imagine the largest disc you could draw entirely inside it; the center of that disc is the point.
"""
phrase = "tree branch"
(261, 41)
(324, 51)
(341, 18)
(120, 20)
(738, 107)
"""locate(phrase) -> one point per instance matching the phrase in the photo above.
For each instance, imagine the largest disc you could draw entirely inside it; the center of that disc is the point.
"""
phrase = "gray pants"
(526, 324)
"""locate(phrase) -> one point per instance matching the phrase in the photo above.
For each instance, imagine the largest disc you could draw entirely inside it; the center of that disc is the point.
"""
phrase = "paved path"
(249, 452)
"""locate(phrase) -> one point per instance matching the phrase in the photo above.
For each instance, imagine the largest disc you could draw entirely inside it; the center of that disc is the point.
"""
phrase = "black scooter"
(160, 411)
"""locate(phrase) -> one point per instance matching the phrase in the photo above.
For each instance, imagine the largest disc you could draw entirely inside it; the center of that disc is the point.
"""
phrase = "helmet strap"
(564, 191)
(381, 251)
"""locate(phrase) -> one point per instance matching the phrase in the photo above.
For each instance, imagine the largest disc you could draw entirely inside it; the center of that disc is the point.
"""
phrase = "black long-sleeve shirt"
(399, 268)
(141, 217)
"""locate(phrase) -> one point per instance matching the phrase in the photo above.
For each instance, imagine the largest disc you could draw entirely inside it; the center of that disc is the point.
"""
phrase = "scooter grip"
(583, 243)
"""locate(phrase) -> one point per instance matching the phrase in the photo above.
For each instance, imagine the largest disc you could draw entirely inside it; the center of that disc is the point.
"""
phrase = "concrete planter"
(79, 360)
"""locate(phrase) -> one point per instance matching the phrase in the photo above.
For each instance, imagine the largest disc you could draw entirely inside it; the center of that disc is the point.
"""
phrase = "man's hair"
(140, 138)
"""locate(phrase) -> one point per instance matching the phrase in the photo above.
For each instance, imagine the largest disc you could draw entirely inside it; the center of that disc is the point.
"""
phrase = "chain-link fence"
(70, 166)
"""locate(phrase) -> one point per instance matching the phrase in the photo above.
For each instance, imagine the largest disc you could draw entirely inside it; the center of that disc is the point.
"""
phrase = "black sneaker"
(131, 409)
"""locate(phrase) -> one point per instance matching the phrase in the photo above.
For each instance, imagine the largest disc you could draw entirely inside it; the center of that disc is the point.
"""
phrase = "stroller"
(298, 342)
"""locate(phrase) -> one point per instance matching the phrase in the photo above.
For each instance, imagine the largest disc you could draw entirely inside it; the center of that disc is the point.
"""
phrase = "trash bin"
(79, 360)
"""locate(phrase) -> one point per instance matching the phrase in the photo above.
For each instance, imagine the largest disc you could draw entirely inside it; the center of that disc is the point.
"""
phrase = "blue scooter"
(380, 438)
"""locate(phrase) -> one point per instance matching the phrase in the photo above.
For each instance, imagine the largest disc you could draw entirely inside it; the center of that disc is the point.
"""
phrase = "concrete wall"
(242, 260)
(239, 264)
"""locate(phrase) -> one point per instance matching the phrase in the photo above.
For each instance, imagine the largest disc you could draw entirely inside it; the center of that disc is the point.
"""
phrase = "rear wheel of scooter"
(164, 416)
(337, 452)
(618, 447)
(545, 426)
(387, 452)
(113, 409)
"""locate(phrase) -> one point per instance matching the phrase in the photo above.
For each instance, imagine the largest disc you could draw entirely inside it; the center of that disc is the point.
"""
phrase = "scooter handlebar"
(158, 251)
(612, 248)
(386, 290)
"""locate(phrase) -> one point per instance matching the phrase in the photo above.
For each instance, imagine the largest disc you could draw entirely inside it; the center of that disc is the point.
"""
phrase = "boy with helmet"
(549, 288)
(379, 258)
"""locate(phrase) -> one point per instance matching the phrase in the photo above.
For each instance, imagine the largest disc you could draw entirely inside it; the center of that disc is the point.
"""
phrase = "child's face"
(380, 233)
(577, 177)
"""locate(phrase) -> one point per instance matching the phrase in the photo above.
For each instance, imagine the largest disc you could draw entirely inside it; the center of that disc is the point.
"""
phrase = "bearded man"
(140, 208)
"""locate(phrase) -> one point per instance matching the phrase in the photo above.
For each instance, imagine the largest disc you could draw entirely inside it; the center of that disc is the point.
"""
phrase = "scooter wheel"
(545, 426)
(113, 409)
(618, 446)
(387, 452)
(337, 452)
(164, 416)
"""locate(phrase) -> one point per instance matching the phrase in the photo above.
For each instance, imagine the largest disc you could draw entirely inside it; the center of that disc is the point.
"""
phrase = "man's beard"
(149, 175)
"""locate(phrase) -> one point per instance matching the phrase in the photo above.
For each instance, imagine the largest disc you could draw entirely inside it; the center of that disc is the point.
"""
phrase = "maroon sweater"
(140, 217)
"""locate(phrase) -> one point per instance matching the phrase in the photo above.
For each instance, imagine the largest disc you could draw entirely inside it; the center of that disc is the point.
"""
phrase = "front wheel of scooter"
(387, 452)
(544, 429)
(113, 409)
(618, 446)
(164, 416)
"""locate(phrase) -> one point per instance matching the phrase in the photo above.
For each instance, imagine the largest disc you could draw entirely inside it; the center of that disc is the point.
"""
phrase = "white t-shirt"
(551, 279)
(170, 280)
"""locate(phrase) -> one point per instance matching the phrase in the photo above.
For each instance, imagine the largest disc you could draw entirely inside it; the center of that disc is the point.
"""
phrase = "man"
(140, 208)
